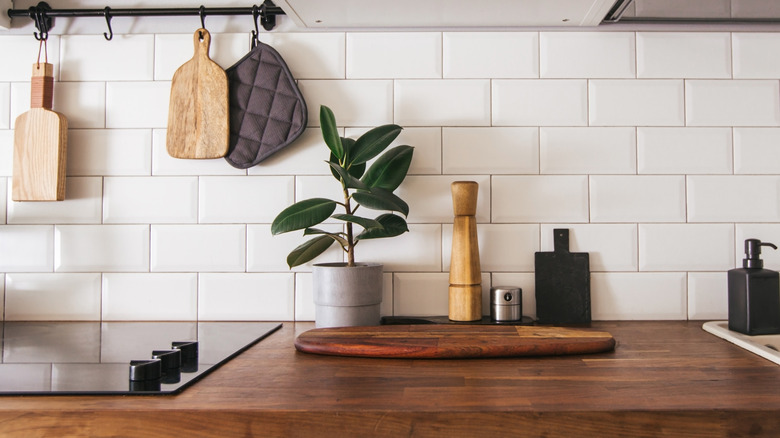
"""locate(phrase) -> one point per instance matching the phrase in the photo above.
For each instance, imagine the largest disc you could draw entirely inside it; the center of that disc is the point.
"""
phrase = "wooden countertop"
(664, 378)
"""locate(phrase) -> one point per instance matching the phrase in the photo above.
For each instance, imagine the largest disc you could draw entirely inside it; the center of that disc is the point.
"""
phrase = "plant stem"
(350, 242)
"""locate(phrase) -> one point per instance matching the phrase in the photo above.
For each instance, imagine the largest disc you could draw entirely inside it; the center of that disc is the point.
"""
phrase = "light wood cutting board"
(40, 143)
(453, 341)
(198, 111)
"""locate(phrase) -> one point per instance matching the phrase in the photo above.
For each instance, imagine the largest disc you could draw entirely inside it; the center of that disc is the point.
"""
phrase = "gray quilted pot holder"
(267, 110)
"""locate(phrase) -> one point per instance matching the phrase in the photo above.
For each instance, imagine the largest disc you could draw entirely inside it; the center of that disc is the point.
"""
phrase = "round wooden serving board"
(453, 341)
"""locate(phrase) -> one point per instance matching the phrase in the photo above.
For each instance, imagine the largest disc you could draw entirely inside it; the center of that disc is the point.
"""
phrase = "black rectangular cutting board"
(562, 283)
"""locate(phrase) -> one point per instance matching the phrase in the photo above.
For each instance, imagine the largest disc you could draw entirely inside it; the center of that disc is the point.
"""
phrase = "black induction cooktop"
(49, 358)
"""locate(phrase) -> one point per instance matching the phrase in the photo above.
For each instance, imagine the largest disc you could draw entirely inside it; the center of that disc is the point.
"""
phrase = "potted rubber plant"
(350, 293)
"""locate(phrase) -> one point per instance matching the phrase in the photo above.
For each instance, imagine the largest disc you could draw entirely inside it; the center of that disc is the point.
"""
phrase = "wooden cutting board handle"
(465, 291)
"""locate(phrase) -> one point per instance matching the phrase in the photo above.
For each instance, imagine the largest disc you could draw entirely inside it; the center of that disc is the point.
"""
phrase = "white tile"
(683, 55)
(415, 251)
(150, 297)
(636, 103)
(539, 199)
(493, 150)
(310, 55)
(5, 106)
(543, 102)
(502, 247)
(246, 297)
(756, 151)
(268, 253)
(305, 156)
(680, 150)
(686, 247)
(20, 52)
(82, 103)
(3, 200)
(430, 197)
(354, 102)
(137, 199)
(587, 55)
(307, 187)
(93, 58)
(101, 248)
(427, 143)
(52, 297)
(187, 248)
(31, 248)
(611, 247)
(304, 297)
(708, 295)
(637, 198)
(763, 232)
(474, 55)
(732, 103)
(109, 152)
(525, 281)
(394, 55)
(452, 102)
(386, 308)
(2, 292)
(750, 55)
(173, 50)
(6, 152)
(137, 104)
(642, 296)
(243, 199)
(587, 150)
(733, 198)
(164, 164)
(82, 205)
(424, 294)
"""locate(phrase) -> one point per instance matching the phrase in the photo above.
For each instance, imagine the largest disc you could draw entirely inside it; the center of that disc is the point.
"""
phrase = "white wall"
(659, 150)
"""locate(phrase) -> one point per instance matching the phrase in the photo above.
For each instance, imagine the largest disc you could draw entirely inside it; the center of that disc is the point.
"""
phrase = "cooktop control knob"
(189, 355)
(171, 359)
(147, 369)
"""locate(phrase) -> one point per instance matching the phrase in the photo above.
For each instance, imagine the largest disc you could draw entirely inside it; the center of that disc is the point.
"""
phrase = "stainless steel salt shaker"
(506, 303)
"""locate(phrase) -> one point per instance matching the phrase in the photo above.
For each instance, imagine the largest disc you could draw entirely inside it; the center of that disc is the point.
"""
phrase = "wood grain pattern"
(198, 113)
(465, 292)
(665, 378)
(452, 341)
(40, 144)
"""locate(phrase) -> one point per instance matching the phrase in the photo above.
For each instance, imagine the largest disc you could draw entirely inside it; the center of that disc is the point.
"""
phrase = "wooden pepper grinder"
(465, 298)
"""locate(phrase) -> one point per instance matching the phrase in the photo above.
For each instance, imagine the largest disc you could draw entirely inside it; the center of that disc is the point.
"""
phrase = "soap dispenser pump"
(754, 294)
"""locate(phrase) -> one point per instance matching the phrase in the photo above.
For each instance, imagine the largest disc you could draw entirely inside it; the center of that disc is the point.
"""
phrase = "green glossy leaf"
(303, 214)
(355, 170)
(348, 180)
(308, 250)
(381, 199)
(335, 236)
(392, 226)
(362, 221)
(389, 170)
(330, 132)
(373, 142)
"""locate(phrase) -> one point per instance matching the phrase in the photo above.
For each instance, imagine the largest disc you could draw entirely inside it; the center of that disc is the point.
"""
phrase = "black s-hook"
(42, 22)
(110, 34)
(256, 32)
(202, 13)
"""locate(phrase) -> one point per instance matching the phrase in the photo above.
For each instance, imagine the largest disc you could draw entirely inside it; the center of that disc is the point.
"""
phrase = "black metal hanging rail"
(43, 15)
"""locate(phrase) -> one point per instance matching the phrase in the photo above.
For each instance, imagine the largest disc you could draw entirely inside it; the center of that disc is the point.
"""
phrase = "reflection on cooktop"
(95, 357)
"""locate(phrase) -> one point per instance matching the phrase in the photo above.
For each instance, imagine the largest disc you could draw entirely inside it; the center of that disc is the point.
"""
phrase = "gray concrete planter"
(347, 296)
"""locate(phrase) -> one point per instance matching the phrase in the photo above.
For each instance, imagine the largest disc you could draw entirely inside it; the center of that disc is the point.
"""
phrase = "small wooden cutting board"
(453, 341)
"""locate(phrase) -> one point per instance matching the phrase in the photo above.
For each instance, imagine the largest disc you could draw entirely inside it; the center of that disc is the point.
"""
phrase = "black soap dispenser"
(754, 294)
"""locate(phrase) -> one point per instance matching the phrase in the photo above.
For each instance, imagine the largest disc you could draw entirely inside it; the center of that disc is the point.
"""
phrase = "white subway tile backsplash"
(26, 248)
(430, 197)
(304, 297)
(93, 58)
(733, 198)
(136, 104)
(637, 198)
(531, 199)
(587, 150)
(196, 248)
(638, 296)
(750, 55)
(680, 150)
(544, 102)
(101, 248)
(683, 54)
(111, 152)
(502, 247)
(421, 294)
(415, 251)
(587, 54)
(304, 156)
(165, 165)
(611, 247)
(149, 297)
(354, 102)
(311, 55)
(707, 295)
(452, 102)
(82, 103)
(732, 103)
(490, 150)
(756, 151)
(252, 199)
(135, 199)
(686, 247)
(173, 50)
(82, 205)
(384, 55)
(6, 152)
(636, 103)
(52, 297)
(475, 55)
(316, 186)
(525, 281)
(5, 106)
(20, 53)
(246, 297)
(3, 199)
(427, 143)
